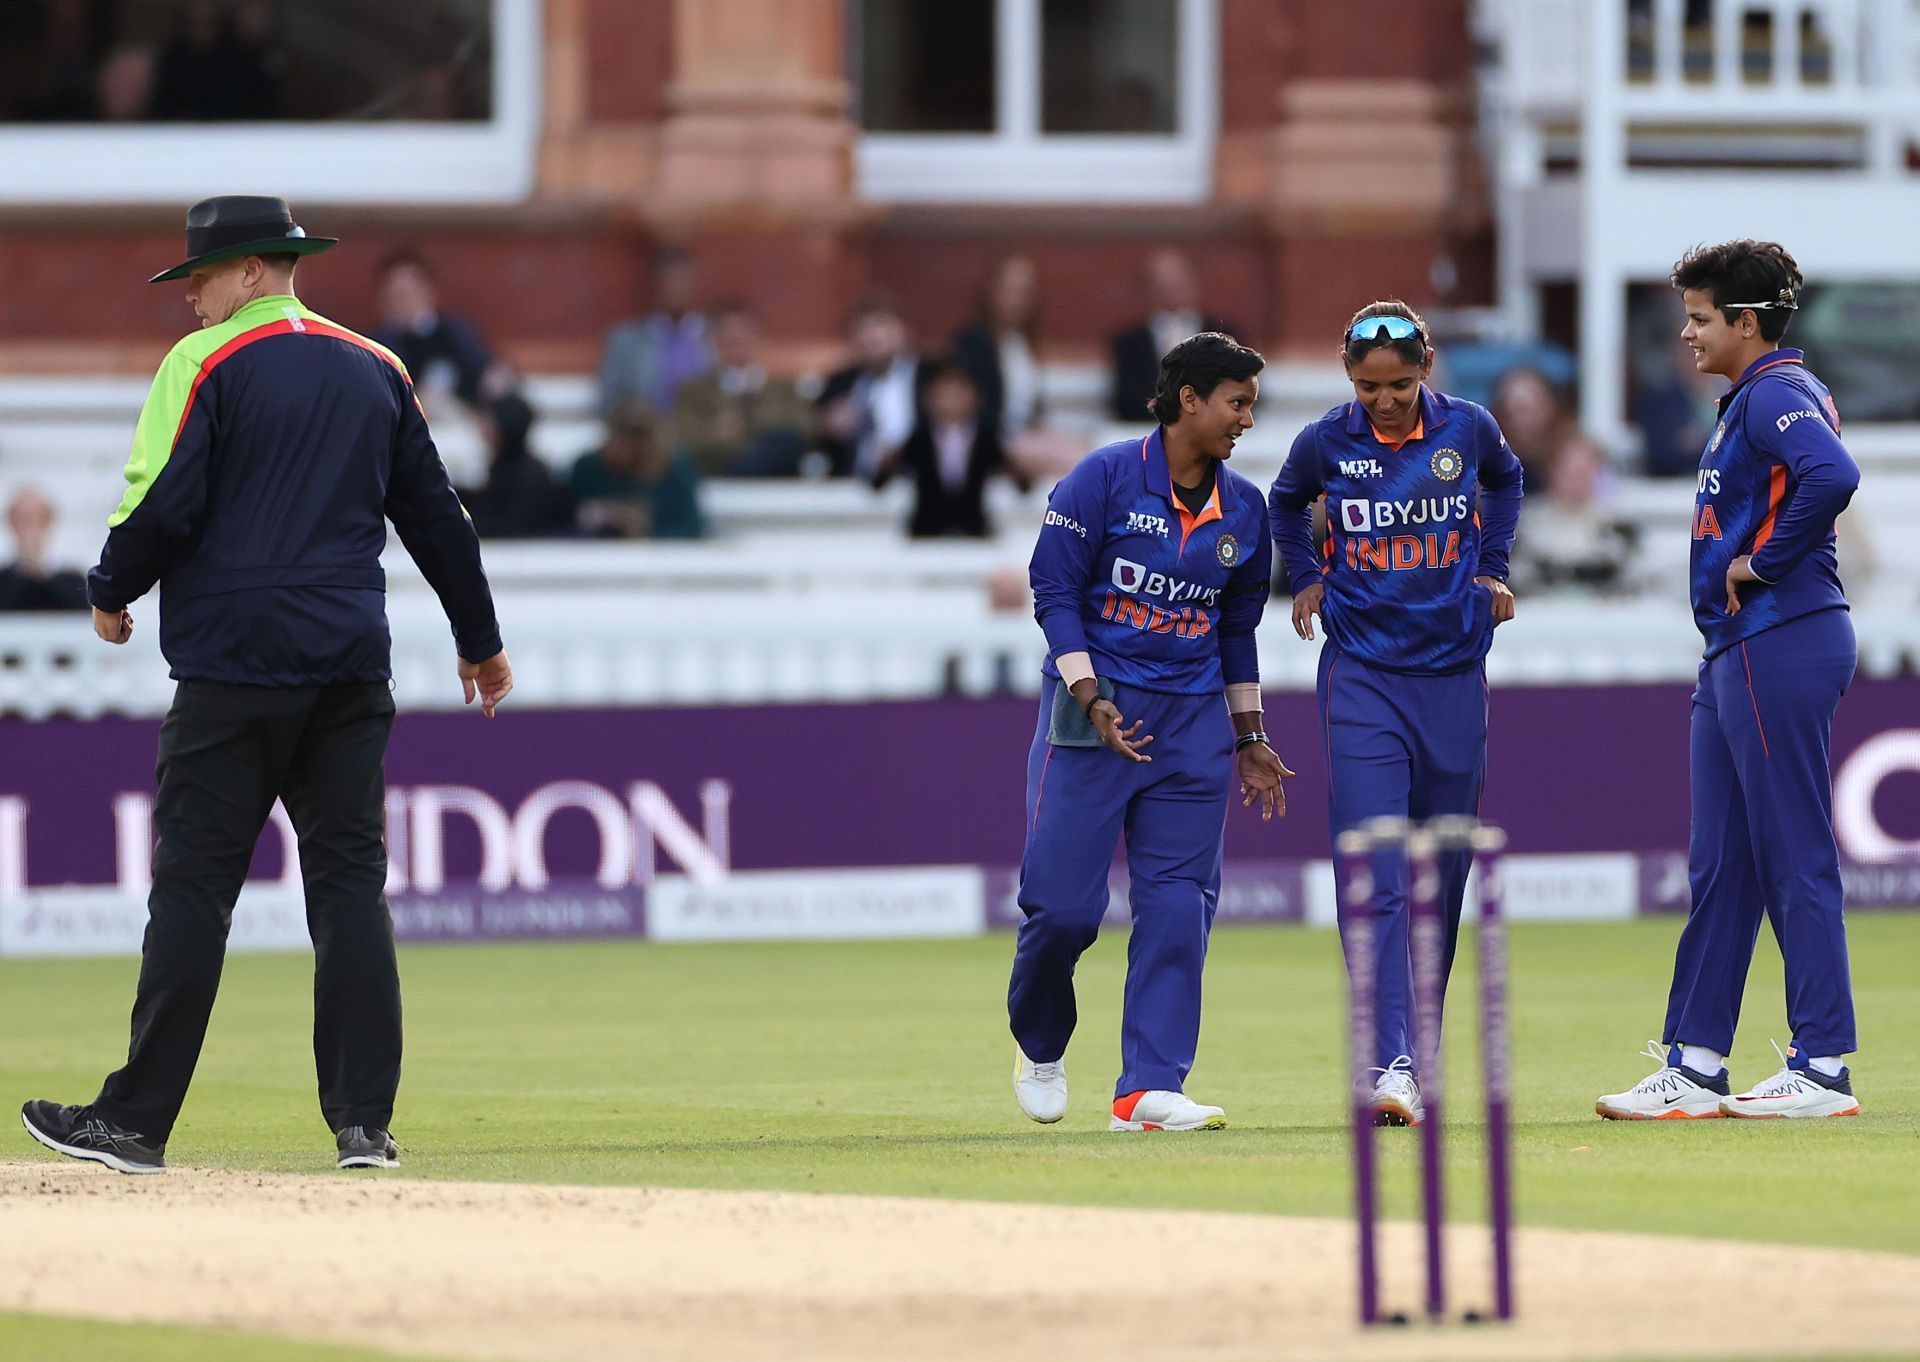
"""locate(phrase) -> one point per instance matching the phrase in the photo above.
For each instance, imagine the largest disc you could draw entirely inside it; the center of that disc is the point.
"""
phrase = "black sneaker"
(79, 1133)
(367, 1147)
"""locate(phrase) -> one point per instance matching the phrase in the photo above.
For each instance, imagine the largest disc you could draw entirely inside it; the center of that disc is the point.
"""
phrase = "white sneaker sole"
(1677, 1112)
(113, 1161)
(368, 1161)
(1208, 1123)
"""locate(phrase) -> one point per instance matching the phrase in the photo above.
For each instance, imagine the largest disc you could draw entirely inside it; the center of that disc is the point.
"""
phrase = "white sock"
(1830, 1065)
(1702, 1060)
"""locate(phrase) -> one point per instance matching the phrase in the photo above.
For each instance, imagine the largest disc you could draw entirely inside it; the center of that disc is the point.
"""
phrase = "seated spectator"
(953, 450)
(28, 582)
(868, 409)
(220, 64)
(443, 354)
(520, 498)
(1173, 313)
(1000, 348)
(738, 421)
(1676, 413)
(633, 487)
(1534, 418)
(1569, 541)
(650, 357)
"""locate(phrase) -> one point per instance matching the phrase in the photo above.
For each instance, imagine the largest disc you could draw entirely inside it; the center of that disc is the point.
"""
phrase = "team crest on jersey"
(1227, 549)
(1719, 434)
(1447, 464)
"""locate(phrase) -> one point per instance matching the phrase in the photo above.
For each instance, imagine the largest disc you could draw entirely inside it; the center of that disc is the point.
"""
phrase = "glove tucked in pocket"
(1069, 726)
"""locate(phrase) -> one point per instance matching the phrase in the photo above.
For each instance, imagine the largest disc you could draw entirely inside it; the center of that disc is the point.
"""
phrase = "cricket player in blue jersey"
(1779, 655)
(1150, 574)
(1422, 497)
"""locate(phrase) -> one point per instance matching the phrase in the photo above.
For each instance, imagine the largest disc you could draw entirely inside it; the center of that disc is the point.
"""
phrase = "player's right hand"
(1109, 723)
(1305, 606)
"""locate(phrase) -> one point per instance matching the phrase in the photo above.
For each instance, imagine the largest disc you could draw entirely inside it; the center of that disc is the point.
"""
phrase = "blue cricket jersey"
(1408, 529)
(1160, 598)
(1772, 480)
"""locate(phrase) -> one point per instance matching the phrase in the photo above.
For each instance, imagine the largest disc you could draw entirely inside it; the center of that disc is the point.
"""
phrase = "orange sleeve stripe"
(1776, 494)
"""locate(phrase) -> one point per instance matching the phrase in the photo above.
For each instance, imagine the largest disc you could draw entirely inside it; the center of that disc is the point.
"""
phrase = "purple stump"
(1429, 935)
(1492, 952)
(1355, 906)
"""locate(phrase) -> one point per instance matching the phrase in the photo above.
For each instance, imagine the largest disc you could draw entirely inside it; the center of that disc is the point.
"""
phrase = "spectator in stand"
(520, 498)
(868, 409)
(1569, 540)
(955, 448)
(1676, 415)
(1000, 348)
(443, 354)
(1173, 302)
(1536, 420)
(633, 486)
(739, 421)
(219, 65)
(651, 357)
(28, 582)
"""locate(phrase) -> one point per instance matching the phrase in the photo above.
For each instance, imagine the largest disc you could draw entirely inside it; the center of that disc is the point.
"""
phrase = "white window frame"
(1017, 163)
(387, 162)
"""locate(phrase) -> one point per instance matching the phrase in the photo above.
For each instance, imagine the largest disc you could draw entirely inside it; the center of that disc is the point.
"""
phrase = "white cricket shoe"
(1671, 1092)
(1396, 1095)
(1041, 1089)
(1156, 1109)
(1795, 1092)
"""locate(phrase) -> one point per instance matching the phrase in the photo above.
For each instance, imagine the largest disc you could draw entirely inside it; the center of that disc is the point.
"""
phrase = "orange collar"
(1418, 432)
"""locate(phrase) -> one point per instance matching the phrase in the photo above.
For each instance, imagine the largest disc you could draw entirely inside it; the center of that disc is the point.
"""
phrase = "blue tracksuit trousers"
(1172, 812)
(1762, 836)
(1409, 747)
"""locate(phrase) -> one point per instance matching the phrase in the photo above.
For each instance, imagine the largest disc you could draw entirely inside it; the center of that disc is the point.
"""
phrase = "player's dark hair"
(1203, 363)
(1413, 349)
(1744, 271)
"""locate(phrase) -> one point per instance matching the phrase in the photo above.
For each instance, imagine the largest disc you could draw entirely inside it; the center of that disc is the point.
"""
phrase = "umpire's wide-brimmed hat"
(241, 224)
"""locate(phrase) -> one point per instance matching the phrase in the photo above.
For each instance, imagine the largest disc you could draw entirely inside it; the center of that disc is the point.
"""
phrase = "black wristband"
(1248, 739)
(1088, 707)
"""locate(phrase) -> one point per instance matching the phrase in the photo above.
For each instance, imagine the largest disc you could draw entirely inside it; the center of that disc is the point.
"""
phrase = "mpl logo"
(1140, 520)
(1361, 468)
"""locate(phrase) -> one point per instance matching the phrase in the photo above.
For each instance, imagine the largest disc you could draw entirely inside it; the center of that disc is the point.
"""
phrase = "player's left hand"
(1261, 772)
(1502, 598)
(1738, 571)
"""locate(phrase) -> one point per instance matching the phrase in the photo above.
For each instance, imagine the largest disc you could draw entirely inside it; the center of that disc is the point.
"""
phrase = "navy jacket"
(271, 452)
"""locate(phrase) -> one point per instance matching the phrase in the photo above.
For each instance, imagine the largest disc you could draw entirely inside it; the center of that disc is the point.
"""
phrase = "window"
(1036, 100)
(355, 99)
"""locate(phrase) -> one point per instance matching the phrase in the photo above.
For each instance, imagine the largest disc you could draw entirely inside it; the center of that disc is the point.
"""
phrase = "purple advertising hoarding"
(556, 822)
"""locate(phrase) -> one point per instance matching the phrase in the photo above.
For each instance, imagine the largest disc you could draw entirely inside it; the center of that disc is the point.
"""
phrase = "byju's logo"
(1055, 518)
(1356, 516)
(1128, 575)
(1151, 524)
(1793, 416)
(1361, 468)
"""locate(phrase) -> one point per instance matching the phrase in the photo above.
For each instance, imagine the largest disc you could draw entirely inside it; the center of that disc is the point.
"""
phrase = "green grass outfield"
(882, 1067)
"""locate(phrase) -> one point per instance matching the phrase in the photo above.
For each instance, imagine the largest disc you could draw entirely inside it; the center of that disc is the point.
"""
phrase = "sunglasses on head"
(1760, 307)
(1387, 328)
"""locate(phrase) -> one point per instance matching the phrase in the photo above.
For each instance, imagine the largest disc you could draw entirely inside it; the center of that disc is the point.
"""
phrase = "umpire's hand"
(115, 626)
(491, 680)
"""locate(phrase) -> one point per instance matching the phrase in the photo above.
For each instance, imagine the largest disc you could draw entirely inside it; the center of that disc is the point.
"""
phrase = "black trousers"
(226, 753)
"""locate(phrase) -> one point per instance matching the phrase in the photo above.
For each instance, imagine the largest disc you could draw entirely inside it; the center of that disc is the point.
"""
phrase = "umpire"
(271, 450)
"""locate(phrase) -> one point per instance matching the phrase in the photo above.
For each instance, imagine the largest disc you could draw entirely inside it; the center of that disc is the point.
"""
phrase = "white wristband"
(1074, 668)
(1243, 697)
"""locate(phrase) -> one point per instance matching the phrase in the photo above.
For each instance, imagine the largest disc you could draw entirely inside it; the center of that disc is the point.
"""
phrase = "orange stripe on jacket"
(287, 326)
(1776, 493)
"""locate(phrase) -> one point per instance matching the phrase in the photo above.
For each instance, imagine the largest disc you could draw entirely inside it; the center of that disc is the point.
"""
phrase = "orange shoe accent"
(1608, 1113)
(1123, 1106)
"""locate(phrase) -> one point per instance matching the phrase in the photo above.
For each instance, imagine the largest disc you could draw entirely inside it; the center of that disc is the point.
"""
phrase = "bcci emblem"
(1227, 549)
(1447, 464)
(1719, 434)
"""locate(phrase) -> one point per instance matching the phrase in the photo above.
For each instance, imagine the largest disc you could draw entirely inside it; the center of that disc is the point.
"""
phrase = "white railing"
(1694, 133)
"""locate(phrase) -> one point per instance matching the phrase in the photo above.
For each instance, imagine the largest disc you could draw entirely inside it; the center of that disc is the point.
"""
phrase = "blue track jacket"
(1161, 599)
(1772, 479)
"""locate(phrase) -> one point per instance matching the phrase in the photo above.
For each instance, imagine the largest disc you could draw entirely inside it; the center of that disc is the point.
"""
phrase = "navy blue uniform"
(1165, 602)
(1402, 680)
(1772, 479)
